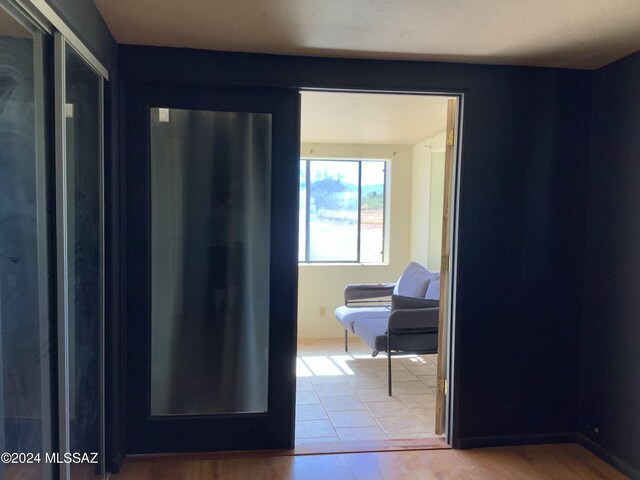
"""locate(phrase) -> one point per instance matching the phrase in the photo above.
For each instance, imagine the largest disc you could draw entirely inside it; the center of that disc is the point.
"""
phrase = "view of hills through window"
(342, 210)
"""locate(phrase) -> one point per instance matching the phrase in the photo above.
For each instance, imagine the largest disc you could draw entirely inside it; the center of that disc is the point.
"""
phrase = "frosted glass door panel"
(210, 230)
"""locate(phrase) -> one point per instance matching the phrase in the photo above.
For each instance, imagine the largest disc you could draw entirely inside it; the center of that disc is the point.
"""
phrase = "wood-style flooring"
(536, 462)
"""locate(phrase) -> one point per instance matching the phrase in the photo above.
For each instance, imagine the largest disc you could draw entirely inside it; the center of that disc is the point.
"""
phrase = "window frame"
(307, 214)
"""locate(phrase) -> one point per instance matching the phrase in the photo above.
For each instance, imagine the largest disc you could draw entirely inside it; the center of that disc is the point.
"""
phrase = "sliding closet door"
(25, 416)
(79, 111)
(212, 251)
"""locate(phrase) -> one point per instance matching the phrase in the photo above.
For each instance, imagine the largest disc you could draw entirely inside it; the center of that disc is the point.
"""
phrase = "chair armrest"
(363, 291)
(403, 302)
(412, 320)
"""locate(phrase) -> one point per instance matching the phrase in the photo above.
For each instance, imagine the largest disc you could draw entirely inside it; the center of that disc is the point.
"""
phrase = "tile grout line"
(375, 373)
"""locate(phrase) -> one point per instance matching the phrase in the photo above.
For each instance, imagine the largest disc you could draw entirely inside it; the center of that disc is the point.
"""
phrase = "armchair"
(406, 324)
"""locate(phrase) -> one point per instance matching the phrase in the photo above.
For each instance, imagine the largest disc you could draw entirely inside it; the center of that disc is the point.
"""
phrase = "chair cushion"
(414, 281)
(347, 315)
(373, 332)
(433, 290)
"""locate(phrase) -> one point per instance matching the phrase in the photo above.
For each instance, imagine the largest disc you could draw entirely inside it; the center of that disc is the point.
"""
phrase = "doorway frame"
(449, 407)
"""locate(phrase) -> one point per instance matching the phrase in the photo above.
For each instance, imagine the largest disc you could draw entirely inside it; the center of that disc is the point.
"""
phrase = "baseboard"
(608, 457)
(507, 440)
(114, 463)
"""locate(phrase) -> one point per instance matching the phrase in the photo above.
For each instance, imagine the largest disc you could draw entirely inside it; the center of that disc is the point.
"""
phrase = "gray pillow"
(401, 302)
(433, 290)
(414, 281)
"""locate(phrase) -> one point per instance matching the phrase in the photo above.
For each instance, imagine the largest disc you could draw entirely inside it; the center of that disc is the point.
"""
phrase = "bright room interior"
(342, 396)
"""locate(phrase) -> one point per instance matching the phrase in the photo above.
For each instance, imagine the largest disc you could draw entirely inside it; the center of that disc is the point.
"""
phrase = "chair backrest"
(414, 281)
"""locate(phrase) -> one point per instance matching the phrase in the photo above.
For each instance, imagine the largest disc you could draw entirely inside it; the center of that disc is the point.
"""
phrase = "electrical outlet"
(323, 310)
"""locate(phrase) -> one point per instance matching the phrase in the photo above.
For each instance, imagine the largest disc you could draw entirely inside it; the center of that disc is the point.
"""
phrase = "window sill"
(342, 264)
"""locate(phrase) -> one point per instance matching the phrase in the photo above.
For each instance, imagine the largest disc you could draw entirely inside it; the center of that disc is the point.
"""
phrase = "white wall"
(321, 285)
(420, 197)
(436, 203)
(427, 195)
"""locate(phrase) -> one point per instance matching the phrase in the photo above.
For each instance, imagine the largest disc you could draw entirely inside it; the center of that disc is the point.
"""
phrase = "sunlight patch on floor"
(321, 366)
(417, 359)
(341, 361)
(301, 369)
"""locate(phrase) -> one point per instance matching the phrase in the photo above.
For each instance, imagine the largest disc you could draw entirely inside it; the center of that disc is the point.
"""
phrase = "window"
(342, 210)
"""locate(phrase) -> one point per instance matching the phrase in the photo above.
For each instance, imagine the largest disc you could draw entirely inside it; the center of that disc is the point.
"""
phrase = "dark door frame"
(273, 429)
(141, 67)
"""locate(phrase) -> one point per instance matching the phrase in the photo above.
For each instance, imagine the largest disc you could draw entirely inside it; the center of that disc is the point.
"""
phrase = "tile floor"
(343, 396)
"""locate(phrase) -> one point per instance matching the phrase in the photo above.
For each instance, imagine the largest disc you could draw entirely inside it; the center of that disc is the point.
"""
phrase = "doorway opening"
(377, 183)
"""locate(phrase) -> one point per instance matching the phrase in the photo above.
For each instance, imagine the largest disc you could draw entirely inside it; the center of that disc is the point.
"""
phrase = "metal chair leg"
(346, 340)
(389, 362)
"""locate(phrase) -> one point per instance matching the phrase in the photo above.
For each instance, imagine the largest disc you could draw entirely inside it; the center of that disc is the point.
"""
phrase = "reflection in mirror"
(23, 353)
(83, 111)
(210, 230)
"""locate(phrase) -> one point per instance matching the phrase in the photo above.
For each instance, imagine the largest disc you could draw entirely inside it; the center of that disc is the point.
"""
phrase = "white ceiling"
(556, 33)
(364, 118)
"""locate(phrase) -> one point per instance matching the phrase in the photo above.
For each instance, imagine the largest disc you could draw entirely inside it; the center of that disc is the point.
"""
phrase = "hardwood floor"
(537, 462)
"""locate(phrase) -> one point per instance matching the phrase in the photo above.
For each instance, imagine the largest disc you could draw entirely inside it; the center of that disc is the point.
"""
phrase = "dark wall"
(521, 245)
(525, 150)
(610, 361)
